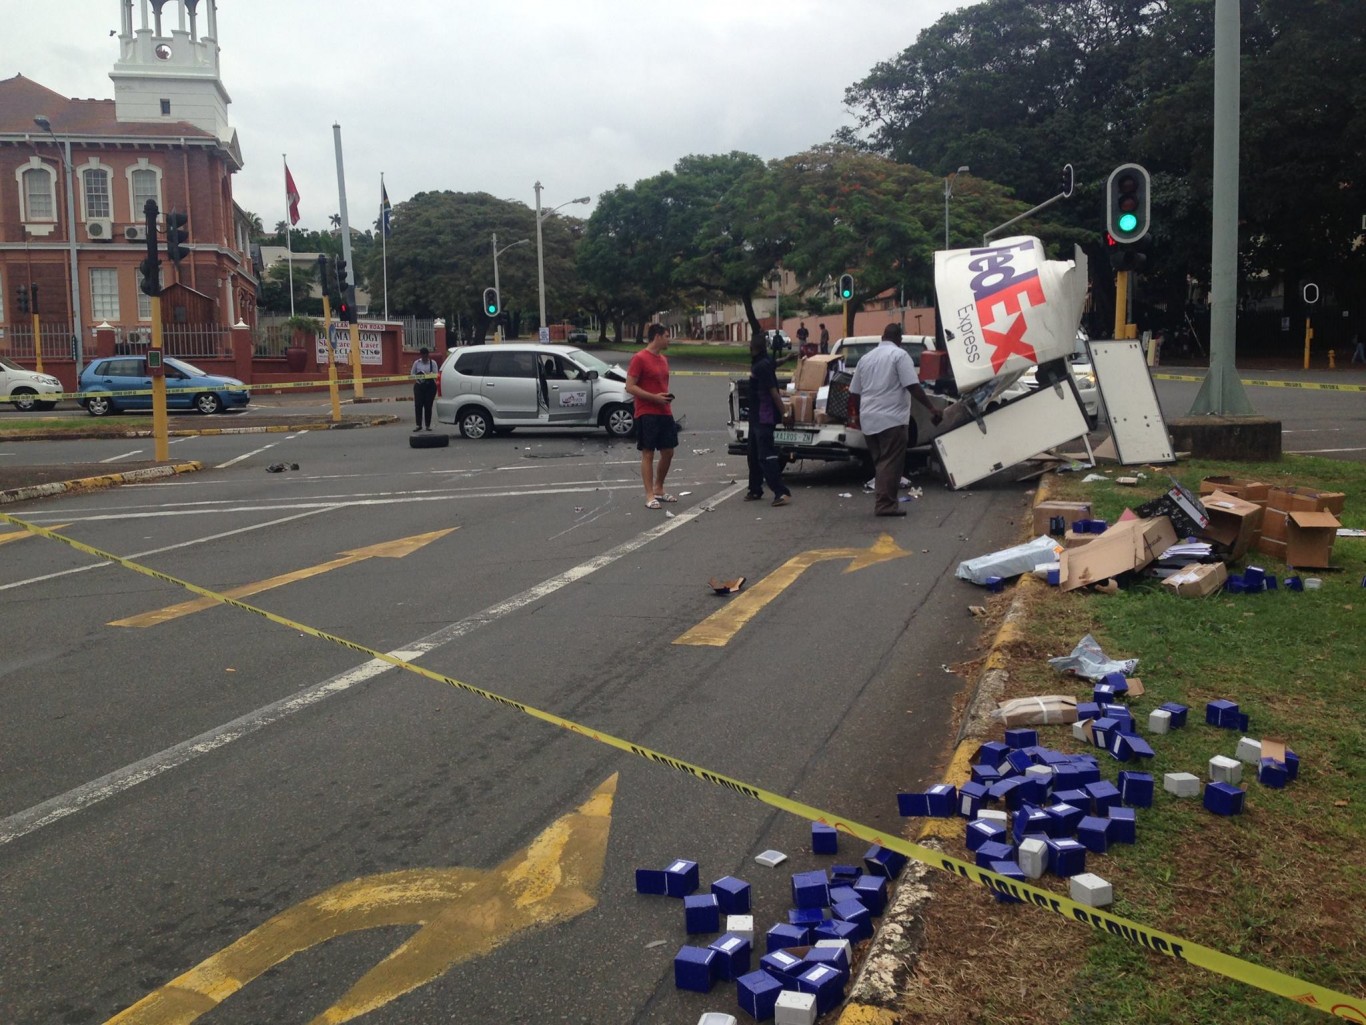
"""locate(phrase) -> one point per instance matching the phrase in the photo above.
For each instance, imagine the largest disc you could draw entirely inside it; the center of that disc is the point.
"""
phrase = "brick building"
(75, 176)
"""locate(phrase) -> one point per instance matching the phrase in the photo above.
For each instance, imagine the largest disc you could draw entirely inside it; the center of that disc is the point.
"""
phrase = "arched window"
(37, 192)
(144, 183)
(96, 198)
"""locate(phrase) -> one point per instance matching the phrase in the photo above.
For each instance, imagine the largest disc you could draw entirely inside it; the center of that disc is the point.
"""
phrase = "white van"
(25, 389)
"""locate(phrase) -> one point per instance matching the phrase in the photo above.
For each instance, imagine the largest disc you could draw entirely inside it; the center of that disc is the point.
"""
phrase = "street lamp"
(496, 252)
(948, 191)
(540, 253)
(77, 350)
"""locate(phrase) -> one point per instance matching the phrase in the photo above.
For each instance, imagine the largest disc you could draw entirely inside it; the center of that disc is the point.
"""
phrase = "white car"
(24, 389)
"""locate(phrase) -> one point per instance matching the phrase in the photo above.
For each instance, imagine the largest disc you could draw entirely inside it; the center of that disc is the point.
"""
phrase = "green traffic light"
(492, 310)
(1127, 222)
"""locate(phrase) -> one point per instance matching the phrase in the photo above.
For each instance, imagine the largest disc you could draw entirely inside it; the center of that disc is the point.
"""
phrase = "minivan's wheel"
(98, 405)
(208, 403)
(25, 399)
(475, 424)
(620, 421)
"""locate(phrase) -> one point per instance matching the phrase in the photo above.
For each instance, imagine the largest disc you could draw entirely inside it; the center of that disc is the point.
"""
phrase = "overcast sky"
(491, 97)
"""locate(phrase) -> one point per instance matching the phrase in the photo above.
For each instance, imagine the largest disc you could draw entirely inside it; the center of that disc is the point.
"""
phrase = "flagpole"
(289, 249)
(384, 242)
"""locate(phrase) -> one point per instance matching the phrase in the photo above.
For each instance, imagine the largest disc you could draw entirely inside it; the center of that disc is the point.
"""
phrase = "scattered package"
(1089, 661)
(1009, 562)
(1039, 711)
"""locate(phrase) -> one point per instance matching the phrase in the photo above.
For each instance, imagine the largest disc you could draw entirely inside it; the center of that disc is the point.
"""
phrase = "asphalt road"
(224, 791)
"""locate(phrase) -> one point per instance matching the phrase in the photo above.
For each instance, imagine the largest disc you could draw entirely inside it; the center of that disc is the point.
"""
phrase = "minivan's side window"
(472, 364)
(512, 364)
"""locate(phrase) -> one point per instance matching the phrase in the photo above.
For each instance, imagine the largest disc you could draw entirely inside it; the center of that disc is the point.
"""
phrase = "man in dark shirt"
(765, 412)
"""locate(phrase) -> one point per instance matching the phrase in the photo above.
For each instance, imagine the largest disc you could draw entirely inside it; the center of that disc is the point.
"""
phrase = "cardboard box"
(1272, 547)
(1196, 581)
(1274, 524)
(1069, 511)
(1238, 487)
(1233, 522)
(812, 372)
(1300, 499)
(933, 365)
(1186, 512)
(1074, 540)
(1309, 540)
(1128, 545)
(804, 407)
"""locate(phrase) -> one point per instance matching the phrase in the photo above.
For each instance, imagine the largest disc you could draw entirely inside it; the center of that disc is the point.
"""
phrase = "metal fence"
(57, 341)
(270, 337)
(418, 334)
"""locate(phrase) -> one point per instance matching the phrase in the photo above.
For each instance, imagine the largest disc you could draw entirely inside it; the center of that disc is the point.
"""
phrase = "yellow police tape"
(1256, 382)
(281, 386)
(1166, 944)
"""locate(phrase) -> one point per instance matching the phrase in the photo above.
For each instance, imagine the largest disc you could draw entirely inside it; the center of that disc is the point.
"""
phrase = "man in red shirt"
(647, 378)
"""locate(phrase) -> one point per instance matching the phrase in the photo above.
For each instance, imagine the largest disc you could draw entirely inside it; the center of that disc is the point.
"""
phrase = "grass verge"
(1282, 885)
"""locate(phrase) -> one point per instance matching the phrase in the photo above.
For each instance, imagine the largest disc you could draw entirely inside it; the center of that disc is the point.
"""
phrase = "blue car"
(187, 387)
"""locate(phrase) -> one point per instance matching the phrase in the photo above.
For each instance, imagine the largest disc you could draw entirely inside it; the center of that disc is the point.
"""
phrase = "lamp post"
(948, 191)
(496, 251)
(540, 252)
(77, 348)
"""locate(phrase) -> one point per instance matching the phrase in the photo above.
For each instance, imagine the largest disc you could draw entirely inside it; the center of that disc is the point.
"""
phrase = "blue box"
(872, 890)
(783, 966)
(1004, 790)
(1222, 713)
(1292, 765)
(1093, 833)
(844, 891)
(732, 894)
(702, 913)
(882, 862)
(1178, 714)
(805, 917)
(835, 957)
(1103, 693)
(1021, 737)
(757, 994)
(1088, 710)
(1118, 681)
(810, 889)
(940, 801)
(694, 969)
(854, 911)
(1123, 825)
(992, 851)
(1064, 818)
(1102, 728)
(1068, 777)
(732, 956)
(1088, 769)
(1011, 870)
(1077, 797)
(996, 584)
(782, 936)
(1125, 748)
(1254, 576)
(1065, 857)
(824, 839)
(1053, 758)
(1224, 798)
(680, 878)
(1029, 819)
(844, 873)
(1032, 790)
(1018, 762)
(1104, 796)
(836, 929)
(992, 752)
(1136, 789)
(985, 774)
(825, 983)
(972, 797)
(982, 831)
(650, 880)
(1294, 583)
(1272, 773)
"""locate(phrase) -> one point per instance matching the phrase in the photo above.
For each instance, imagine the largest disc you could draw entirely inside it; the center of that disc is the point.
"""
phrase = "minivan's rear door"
(569, 393)
(511, 385)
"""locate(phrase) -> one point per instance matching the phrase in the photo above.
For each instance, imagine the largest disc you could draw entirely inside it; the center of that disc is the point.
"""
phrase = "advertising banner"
(370, 354)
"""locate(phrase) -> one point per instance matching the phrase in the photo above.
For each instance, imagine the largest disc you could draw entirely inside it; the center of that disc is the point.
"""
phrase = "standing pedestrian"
(885, 381)
(765, 411)
(1358, 353)
(424, 388)
(647, 378)
(825, 341)
(803, 336)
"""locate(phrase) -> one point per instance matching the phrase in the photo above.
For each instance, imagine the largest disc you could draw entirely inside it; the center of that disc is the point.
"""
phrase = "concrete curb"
(877, 995)
(107, 480)
(310, 425)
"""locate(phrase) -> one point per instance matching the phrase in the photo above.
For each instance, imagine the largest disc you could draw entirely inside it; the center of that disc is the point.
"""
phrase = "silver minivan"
(492, 389)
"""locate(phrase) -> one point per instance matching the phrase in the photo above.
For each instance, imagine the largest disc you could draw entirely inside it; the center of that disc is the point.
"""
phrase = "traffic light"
(491, 306)
(177, 234)
(846, 287)
(33, 294)
(323, 279)
(150, 269)
(1127, 204)
(339, 269)
(22, 296)
(346, 307)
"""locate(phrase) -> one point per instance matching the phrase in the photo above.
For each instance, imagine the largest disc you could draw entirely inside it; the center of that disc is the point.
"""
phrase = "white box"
(1159, 721)
(1091, 890)
(741, 925)
(1182, 784)
(1249, 751)
(844, 945)
(795, 1008)
(717, 1018)
(1032, 855)
(1043, 772)
(1223, 769)
(1080, 731)
(995, 815)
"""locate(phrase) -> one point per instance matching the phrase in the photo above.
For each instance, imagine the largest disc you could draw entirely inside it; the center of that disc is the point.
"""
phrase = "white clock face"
(163, 52)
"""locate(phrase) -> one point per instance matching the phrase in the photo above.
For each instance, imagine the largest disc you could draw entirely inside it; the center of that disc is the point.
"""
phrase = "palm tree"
(254, 226)
(336, 221)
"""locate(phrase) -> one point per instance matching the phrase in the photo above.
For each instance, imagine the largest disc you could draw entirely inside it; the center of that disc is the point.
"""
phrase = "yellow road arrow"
(385, 550)
(19, 535)
(462, 913)
(718, 628)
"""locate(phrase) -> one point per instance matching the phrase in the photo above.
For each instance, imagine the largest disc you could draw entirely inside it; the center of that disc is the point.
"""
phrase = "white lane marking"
(245, 455)
(1317, 451)
(1312, 430)
(123, 455)
(113, 783)
(168, 548)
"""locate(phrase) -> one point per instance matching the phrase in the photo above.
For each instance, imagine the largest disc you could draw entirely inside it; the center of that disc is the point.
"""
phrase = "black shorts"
(656, 432)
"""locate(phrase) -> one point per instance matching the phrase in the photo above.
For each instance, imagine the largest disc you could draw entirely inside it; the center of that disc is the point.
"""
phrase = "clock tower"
(167, 69)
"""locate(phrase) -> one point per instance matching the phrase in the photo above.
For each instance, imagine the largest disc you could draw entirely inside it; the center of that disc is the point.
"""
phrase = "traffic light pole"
(37, 338)
(159, 424)
(1123, 329)
(357, 382)
(331, 360)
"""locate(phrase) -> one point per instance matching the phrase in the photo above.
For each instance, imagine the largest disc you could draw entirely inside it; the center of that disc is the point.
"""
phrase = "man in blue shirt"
(765, 412)
(885, 381)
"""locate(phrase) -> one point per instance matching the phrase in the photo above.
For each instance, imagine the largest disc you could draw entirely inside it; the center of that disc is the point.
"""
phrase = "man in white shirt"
(885, 381)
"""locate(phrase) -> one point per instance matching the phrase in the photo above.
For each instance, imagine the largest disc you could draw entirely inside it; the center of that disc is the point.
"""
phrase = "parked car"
(578, 336)
(493, 389)
(855, 347)
(24, 388)
(187, 387)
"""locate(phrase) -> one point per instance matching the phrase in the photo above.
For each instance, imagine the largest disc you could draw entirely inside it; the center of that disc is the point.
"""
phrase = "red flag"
(291, 196)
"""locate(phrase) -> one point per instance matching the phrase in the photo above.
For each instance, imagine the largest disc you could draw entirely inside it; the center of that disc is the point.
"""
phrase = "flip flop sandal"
(653, 504)
(666, 497)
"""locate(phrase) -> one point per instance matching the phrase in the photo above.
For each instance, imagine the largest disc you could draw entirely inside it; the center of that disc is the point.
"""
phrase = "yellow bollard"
(1332, 362)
